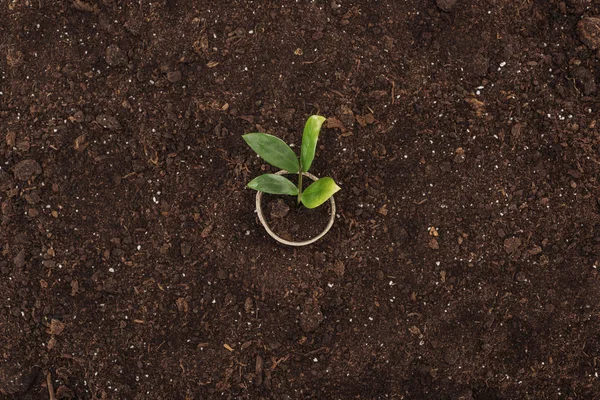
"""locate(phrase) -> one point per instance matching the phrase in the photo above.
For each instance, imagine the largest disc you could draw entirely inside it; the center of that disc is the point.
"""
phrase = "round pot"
(263, 220)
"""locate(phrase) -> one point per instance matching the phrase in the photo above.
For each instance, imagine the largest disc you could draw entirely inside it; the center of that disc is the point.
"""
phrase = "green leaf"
(273, 150)
(319, 192)
(274, 184)
(309, 140)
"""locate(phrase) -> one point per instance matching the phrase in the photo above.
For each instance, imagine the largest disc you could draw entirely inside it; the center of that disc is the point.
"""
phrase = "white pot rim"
(265, 224)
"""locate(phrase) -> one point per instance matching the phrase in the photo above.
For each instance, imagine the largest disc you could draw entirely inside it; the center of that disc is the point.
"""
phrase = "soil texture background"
(463, 263)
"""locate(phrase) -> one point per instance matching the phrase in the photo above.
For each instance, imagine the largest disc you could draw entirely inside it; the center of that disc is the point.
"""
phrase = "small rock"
(311, 316)
(174, 76)
(445, 5)
(248, 304)
(56, 327)
(115, 57)
(27, 169)
(512, 244)
(108, 122)
(51, 343)
(11, 138)
(278, 209)
(460, 157)
(182, 305)
(585, 80)
(19, 260)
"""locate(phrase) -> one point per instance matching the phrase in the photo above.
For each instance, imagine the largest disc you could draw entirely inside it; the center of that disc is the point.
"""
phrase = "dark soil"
(292, 222)
(464, 264)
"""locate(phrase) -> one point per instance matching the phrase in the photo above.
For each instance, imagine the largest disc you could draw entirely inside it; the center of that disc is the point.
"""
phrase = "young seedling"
(277, 153)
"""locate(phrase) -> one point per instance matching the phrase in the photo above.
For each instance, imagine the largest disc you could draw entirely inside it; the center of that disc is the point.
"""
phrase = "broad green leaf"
(319, 192)
(273, 150)
(274, 184)
(309, 140)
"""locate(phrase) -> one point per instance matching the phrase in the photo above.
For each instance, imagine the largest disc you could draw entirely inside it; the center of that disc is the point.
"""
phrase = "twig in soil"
(320, 349)
(338, 93)
(277, 362)
(50, 386)
(315, 61)
(393, 88)
(420, 202)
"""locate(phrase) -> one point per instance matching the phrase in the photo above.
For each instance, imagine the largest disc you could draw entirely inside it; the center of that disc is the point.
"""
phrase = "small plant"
(277, 153)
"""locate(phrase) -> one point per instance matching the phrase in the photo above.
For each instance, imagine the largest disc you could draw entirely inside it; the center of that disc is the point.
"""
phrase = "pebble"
(19, 260)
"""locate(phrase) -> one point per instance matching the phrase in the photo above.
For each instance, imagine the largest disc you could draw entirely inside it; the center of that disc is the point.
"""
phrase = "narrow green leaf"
(319, 192)
(274, 184)
(273, 150)
(309, 140)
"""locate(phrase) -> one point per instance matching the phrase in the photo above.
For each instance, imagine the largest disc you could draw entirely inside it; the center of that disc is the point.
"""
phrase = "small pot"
(263, 220)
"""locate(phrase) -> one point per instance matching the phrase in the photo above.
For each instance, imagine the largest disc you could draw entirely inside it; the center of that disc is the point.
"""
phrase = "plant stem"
(299, 187)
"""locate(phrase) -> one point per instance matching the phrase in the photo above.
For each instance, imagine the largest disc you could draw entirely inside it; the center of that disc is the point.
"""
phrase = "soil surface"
(294, 222)
(464, 262)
